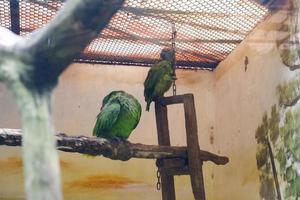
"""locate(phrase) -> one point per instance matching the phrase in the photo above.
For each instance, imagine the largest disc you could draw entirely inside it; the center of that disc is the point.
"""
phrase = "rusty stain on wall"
(16, 163)
(102, 181)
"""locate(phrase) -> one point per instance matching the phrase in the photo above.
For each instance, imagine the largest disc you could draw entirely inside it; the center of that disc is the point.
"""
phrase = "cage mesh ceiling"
(207, 30)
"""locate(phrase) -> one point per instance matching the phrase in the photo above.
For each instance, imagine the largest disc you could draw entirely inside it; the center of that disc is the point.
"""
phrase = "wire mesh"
(207, 30)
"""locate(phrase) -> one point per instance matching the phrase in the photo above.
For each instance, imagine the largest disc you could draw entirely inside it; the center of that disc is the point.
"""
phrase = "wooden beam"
(195, 164)
(167, 181)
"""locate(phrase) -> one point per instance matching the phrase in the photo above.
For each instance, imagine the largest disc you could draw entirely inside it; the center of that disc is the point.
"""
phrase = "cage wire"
(207, 30)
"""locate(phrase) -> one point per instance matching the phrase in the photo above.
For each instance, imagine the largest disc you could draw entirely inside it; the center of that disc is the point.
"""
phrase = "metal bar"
(15, 16)
(160, 40)
(97, 58)
(221, 15)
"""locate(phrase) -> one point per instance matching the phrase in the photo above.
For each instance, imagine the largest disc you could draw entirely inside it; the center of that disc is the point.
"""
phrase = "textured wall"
(242, 97)
(76, 103)
(230, 104)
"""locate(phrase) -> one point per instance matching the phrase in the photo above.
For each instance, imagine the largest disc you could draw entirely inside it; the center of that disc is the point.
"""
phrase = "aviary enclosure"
(144, 99)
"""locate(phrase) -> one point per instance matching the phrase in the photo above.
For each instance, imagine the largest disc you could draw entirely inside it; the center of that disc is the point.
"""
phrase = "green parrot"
(159, 78)
(119, 115)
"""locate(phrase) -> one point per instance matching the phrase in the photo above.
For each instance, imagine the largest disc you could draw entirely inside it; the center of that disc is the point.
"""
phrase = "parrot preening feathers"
(119, 115)
(159, 78)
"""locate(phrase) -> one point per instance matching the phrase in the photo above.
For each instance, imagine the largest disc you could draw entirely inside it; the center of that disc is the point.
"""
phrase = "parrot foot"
(118, 139)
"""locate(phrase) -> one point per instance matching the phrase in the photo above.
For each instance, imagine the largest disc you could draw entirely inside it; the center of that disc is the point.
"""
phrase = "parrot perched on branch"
(119, 115)
(159, 78)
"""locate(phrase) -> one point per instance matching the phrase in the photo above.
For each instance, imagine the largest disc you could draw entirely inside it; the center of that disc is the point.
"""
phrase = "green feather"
(119, 116)
(158, 81)
(106, 119)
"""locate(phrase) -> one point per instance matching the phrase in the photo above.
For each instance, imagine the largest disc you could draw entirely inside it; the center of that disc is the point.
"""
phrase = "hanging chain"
(174, 87)
(158, 184)
(174, 34)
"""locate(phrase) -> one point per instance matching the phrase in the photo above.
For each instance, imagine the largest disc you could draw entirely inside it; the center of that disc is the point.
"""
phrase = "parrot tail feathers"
(148, 106)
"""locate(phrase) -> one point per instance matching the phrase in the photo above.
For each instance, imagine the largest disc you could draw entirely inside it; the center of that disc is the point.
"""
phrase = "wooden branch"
(8, 39)
(30, 68)
(113, 149)
(55, 46)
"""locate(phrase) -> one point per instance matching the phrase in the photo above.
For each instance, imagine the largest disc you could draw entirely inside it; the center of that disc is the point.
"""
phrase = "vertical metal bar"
(167, 181)
(174, 34)
(15, 16)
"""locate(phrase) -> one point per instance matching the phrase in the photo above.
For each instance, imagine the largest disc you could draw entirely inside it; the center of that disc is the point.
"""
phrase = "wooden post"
(30, 67)
(195, 164)
(171, 167)
(167, 181)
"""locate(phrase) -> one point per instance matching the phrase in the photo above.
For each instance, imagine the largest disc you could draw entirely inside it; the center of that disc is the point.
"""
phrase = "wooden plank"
(169, 163)
(195, 164)
(170, 100)
(167, 182)
(177, 171)
(174, 166)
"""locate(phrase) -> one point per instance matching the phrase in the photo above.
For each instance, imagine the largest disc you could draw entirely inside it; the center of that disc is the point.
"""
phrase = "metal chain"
(174, 88)
(158, 184)
(174, 34)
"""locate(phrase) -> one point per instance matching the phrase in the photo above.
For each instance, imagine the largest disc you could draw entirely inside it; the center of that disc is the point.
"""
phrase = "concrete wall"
(76, 104)
(242, 97)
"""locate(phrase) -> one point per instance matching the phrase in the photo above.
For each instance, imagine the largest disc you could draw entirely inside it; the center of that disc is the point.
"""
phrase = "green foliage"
(261, 134)
(289, 93)
(274, 124)
(284, 139)
(262, 156)
(286, 142)
(288, 154)
(291, 145)
(293, 189)
(288, 131)
(296, 147)
(290, 174)
(289, 56)
(281, 158)
(268, 126)
(266, 190)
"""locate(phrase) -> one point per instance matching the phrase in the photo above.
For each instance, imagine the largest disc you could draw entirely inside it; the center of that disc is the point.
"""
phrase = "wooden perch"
(113, 149)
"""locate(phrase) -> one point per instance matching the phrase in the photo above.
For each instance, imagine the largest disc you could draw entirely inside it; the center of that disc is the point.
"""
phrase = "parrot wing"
(106, 119)
(154, 75)
(138, 114)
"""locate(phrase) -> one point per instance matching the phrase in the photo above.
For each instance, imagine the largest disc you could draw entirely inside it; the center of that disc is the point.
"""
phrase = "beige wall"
(76, 103)
(230, 103)
(241, 99)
